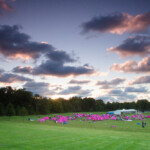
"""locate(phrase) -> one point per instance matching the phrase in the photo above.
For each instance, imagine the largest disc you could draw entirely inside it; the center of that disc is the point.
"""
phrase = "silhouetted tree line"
(21, 102)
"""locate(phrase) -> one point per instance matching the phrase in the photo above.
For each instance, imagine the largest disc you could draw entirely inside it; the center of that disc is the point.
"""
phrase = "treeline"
(22, 102)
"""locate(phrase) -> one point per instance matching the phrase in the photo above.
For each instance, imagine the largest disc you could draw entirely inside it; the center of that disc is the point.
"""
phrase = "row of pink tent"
(108, 116)
(44, 119)
(58, 119)
(93, 117)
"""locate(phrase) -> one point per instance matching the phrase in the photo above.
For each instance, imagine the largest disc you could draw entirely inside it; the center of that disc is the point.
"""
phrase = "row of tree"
(22, 102)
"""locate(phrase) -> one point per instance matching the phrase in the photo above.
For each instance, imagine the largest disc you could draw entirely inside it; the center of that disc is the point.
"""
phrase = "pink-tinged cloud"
(1, 71)
(132, 66)
(19, 45)
(118, 23)
(15, 44)
(24, 70)
(136, 45)
(76, 90)
(111, 82)
(141, 80)
(57, 69)
(118, 95)
(12, 78)
(5, 6)
(136, 90)
(40, 88)
(79, 81)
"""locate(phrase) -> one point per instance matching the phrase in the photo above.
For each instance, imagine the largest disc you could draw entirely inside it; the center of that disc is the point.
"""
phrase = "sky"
(86, 48)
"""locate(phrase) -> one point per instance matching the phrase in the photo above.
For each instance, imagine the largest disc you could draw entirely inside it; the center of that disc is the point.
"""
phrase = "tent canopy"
(119, 112)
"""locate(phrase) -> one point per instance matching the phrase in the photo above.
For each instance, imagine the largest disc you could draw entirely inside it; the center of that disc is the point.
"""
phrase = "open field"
(17, 133)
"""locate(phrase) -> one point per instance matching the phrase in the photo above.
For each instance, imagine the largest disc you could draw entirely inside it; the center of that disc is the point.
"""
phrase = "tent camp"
(119, 112)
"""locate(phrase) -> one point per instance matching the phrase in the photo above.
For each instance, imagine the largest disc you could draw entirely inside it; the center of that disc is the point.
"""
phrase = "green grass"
(17, 133)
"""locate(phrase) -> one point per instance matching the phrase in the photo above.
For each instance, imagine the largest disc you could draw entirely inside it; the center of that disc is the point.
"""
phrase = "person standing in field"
(143, 124)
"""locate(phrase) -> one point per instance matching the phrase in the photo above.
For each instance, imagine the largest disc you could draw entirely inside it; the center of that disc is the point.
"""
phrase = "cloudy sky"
(87, 48)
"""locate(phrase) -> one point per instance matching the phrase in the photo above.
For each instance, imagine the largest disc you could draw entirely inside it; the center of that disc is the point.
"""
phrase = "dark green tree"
(44, 106)
(57, 106)
(88, 104)
(18, 108)
(100, 106)
(143, 105)
(10, 111)
(2, 110)
(75, 104)
(109, 106)
(66, 105)
(23, 112)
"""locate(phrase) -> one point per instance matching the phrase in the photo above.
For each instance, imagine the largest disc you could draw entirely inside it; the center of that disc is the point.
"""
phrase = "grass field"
(17, 133)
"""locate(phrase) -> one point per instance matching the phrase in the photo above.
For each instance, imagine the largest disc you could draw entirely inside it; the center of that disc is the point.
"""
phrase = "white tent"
(119, 112)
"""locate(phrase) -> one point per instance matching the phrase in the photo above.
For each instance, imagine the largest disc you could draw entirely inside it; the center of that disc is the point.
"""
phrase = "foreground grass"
(20, 134)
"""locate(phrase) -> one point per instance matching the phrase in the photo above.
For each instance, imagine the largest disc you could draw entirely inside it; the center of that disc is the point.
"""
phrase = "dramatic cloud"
(109, 84)
(115, 92)
(54, 68)
(120, 95)
(141, 80)
(15, 44)
(137, 45)
(112, 82)
(24, 70)
(58, 69)
(40, 88)
(118, 23)
(79, 81)
(137, 90)
(70, 90)
(60, 56)
(10, 78)
(5, 6)
(117, 96)
(132, 66)
(106, 86)
(75, 90)
(107, 98)
(1, 71)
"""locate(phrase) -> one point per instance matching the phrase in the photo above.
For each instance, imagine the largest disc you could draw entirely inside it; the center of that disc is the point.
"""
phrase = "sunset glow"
(67, 48)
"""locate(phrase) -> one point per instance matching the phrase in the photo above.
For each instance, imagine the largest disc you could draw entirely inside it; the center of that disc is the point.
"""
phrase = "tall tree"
(76, 104)
(23, 112)
(10, 111)
(44, 106)
(88, 104)
(2, 110)
(143, 105)
(57, 106)
(100, 106)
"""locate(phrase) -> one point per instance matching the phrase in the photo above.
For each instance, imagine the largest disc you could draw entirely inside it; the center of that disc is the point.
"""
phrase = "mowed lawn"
(20, 134)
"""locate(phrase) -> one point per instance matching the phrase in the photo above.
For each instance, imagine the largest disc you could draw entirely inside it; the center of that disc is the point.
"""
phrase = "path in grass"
(30, 136)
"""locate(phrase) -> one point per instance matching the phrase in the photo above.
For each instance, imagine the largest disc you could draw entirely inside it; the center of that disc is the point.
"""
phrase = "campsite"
(74, 74)
(21, 133)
